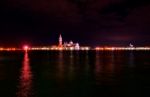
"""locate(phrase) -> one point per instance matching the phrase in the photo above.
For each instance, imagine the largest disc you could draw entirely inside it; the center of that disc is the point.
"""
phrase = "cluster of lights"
(122, 48)
(8, 49)
(54, 48)
(26, 47)
(85, 48)
(40, 48)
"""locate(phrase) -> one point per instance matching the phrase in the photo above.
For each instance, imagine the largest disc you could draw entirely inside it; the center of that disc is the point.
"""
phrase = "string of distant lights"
(26, 47)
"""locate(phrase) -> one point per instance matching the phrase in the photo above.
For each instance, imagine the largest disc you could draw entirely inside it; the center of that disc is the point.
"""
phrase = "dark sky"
(89, 22)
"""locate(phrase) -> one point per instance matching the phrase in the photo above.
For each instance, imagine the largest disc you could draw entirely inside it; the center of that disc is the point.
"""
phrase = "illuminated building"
(71, 46)
(68, 45)
(77, 47)
(60, 41)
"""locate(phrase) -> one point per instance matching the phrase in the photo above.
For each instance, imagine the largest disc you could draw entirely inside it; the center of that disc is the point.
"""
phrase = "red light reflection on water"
(25, 85)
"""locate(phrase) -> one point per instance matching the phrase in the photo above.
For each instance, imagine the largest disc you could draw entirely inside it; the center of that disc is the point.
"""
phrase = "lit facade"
(68, 45)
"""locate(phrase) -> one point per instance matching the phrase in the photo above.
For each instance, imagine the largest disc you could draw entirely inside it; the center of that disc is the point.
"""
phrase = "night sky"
(89, 22)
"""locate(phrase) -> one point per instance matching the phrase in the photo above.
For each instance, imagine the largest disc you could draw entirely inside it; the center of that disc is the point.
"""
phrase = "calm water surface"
(75, 74)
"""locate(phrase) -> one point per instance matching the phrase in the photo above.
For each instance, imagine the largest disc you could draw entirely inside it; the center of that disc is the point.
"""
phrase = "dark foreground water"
(75, 74)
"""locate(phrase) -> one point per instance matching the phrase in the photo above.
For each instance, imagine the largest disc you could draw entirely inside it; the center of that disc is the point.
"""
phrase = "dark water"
(75, 74)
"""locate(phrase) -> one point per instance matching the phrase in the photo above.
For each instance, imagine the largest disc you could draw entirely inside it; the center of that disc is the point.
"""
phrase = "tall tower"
(60, 41)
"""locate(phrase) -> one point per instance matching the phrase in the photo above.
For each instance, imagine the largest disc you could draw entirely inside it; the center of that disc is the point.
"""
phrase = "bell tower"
(60, 40)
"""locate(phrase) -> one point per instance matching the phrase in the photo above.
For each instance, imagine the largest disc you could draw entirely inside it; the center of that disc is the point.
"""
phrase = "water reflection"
(131, 59)
(25, 85)
(87, 65)
(60, 66)
(104, 69)
(71, 67)
(98, 66)
(110, 67)
(98, 63)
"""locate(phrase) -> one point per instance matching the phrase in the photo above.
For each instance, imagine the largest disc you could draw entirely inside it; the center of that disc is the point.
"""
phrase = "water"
(74, 74)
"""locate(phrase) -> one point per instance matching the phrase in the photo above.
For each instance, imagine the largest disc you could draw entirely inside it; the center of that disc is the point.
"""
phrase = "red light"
(25, 47)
